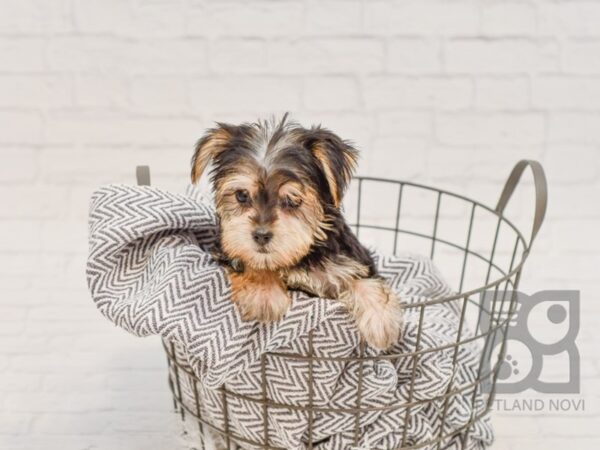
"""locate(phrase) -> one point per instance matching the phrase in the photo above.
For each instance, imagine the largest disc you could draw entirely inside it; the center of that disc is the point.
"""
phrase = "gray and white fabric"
(150, 272)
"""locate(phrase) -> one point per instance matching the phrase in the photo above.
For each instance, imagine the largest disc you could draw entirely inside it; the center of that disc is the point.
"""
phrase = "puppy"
(278, 192)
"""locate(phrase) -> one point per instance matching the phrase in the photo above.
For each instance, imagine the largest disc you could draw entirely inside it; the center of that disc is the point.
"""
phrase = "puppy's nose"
(262, 236)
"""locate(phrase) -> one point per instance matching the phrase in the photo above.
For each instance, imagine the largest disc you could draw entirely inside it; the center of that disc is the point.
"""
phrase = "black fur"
(340, 241)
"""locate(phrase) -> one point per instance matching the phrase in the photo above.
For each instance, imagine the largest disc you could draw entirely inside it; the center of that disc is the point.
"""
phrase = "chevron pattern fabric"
(149, 271)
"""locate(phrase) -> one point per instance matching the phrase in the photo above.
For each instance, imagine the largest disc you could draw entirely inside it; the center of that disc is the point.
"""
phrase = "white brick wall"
(444, 92)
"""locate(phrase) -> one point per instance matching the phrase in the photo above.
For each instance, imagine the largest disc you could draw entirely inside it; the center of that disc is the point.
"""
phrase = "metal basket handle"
(142, 174)
(541, 192)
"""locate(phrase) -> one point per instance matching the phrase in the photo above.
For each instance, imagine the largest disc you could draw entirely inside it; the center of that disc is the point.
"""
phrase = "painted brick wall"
(448, 92)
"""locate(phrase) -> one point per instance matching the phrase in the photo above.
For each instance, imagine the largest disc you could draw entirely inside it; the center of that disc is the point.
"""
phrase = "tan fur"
(293, 190)
(352, 160)
(376, 309)
(227, 205)
(208, 152)
(237, 181)
(259, 295)
(324, 160)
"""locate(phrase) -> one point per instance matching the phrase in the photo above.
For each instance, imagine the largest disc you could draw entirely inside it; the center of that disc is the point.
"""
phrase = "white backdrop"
(448, 93)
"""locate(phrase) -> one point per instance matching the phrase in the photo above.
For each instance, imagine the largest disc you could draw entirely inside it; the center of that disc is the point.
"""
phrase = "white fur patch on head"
(270, 138)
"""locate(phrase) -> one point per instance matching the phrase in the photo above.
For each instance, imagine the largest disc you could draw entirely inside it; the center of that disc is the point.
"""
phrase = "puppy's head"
(275, 185)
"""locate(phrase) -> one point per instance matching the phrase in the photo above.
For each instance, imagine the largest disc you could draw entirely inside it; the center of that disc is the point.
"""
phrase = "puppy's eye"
(242, 196)
(290, 203)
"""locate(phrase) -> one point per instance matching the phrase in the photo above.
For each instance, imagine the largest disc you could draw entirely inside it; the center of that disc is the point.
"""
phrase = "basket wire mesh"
(490, 261)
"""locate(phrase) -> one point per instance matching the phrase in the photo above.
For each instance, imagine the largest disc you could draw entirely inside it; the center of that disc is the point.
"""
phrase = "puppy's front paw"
(264, 305)
(264, 300)
(378, 312)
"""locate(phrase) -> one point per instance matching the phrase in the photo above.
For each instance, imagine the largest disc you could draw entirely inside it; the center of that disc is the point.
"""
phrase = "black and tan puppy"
(278, 190)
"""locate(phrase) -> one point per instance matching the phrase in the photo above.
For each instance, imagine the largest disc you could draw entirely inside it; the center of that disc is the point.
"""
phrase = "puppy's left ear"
(337, 159)
(209, 147)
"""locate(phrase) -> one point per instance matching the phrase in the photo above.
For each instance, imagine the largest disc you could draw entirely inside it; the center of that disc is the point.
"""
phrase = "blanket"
(150, 272)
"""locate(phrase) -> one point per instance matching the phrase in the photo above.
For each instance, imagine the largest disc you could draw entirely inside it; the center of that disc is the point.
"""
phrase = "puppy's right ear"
(208, 148)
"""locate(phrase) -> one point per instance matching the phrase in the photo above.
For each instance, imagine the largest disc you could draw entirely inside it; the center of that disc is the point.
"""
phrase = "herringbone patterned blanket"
(150, 272)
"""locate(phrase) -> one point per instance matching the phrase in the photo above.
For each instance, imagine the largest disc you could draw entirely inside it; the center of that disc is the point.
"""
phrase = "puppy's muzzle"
(262, 236)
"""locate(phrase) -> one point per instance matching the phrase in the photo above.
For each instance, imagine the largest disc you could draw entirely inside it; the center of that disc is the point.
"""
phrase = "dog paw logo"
(508, 367)
(540, 341)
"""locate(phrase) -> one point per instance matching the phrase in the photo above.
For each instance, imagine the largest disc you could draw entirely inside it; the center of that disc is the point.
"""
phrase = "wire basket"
(479, 251)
